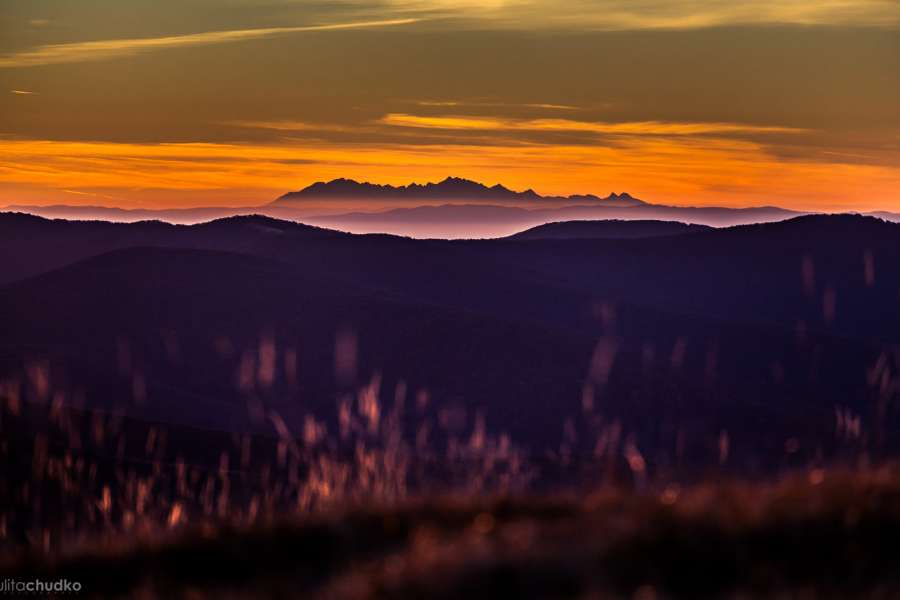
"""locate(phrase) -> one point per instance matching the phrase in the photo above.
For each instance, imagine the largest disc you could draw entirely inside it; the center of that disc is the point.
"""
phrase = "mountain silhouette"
(450, 188)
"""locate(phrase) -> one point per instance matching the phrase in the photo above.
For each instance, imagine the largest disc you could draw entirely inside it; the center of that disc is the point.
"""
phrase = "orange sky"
(701, 103)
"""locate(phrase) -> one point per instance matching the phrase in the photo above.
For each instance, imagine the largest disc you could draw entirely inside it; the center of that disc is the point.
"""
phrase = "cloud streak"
(104, 49)
(621, 15)
(460, 103)
(569, 125)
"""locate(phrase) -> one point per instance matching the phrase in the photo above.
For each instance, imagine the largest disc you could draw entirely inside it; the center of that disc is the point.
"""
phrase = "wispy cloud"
(21, 92)
(95, 195)
(661, 14)
(461, 103)
(104, 49)
(569, 125)
(300, 126)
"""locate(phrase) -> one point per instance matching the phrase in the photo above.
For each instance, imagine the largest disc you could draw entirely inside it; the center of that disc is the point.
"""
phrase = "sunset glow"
(791, 104)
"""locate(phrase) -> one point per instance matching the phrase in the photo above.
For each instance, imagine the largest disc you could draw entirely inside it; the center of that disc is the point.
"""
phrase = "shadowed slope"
(606, 230)
(40, 244)
(695, 334)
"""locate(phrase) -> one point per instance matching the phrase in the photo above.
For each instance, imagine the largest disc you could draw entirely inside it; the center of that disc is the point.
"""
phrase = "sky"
(150, 103)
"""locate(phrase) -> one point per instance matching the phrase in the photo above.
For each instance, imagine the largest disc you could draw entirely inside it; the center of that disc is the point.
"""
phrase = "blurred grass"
(831, 534)
(384, 506)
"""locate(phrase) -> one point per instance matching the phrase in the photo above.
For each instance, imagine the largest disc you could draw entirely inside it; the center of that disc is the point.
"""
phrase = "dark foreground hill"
(752, 346)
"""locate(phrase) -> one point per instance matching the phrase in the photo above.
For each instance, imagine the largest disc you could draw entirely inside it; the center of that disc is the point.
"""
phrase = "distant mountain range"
(453, 221)
(451, 188)
(452, 208)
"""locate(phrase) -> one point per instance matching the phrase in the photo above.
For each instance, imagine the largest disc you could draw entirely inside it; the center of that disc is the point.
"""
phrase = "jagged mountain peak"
(449, 188)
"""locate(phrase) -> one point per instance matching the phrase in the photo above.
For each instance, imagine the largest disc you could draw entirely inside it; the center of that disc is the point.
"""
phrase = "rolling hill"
(762, 331)
(569, 230)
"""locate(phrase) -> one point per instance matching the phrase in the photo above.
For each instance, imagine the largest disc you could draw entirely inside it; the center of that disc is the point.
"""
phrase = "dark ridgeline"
(571, 230)
(775, 335)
